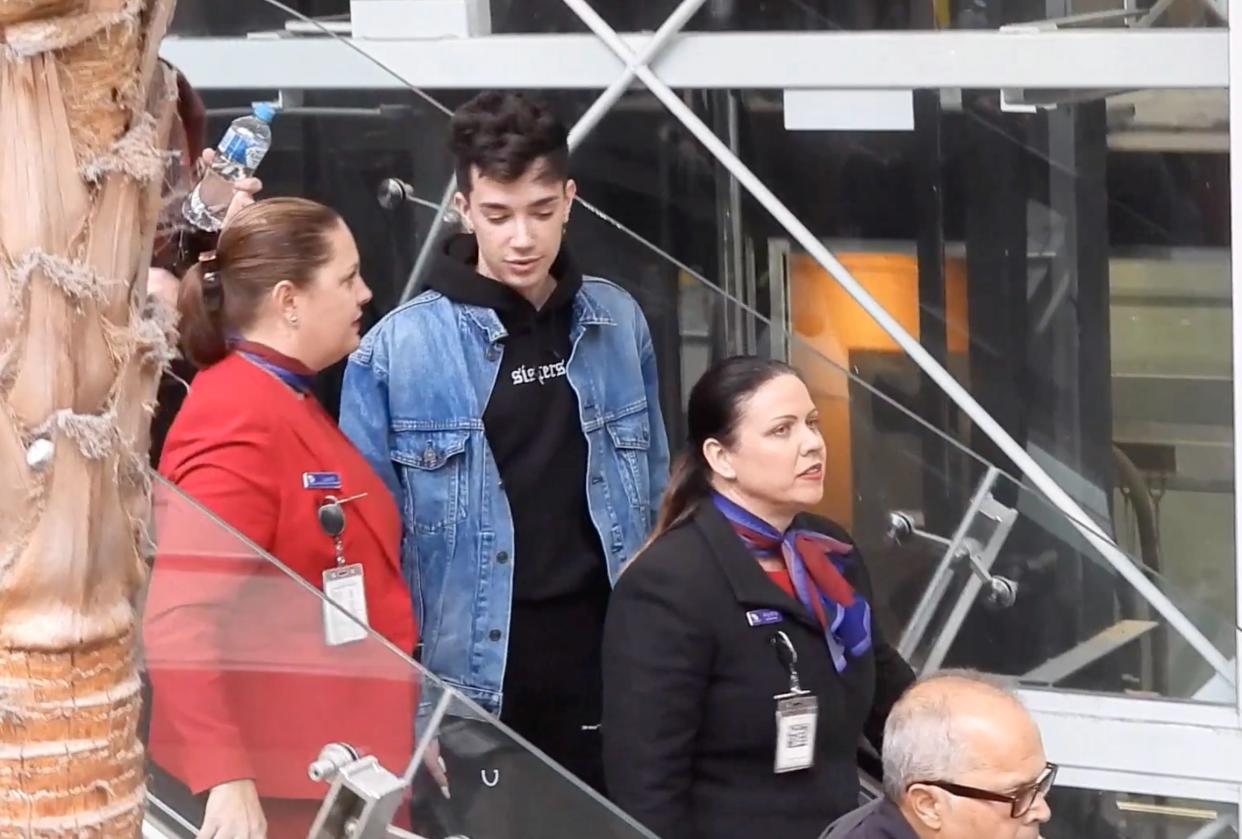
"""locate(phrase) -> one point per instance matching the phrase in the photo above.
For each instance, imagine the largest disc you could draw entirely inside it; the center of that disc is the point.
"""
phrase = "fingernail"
(443, 766)
(445, 792)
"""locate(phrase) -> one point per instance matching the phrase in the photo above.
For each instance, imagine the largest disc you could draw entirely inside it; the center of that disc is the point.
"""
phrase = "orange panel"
(831, 326)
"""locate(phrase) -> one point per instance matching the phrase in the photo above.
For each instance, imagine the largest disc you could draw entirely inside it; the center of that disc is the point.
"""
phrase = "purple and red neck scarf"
(289, 370)
(816, 566)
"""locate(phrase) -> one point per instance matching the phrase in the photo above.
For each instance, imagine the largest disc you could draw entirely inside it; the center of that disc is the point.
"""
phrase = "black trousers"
(565, 727)
(501, 790)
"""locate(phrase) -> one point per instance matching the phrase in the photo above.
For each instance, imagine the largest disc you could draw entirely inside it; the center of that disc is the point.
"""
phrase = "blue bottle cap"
(264, 111)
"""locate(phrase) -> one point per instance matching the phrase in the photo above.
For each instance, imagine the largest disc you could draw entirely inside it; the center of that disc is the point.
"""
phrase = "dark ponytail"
(272, 241)
(716, 404)
(203, 340)
(687, 486)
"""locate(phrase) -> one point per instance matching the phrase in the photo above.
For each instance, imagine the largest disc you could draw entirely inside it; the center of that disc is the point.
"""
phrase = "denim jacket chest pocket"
(433, 464)
(631, 440)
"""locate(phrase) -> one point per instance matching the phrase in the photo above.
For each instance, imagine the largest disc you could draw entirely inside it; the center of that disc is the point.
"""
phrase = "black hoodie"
(533, 427)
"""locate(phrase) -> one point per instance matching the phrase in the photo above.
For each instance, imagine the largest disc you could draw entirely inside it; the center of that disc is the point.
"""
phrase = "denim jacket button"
(502, 557)
(492, 353)
(494, 635)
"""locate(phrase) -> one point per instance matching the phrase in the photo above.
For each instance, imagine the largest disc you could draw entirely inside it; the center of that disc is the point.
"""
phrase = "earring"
(293, 319)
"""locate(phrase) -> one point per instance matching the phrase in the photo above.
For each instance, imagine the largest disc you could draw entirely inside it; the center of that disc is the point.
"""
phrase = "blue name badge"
(763, 617)
(321, 480)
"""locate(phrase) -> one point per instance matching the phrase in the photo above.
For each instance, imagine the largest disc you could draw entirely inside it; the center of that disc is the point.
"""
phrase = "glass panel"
(973, 569)
(243, 681)
(242, 684)
(240, 18)
(500, 785)
(1086, 307)
(766, 15)
(882, 420)
(511, 17)
(829, 15)
(1093, 814)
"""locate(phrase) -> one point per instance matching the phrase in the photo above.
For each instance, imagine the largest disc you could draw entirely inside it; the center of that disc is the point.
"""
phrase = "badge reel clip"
(344, 586)
(797, 714)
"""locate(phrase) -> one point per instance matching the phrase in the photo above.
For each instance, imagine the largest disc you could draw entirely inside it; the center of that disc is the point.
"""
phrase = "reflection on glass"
(500, 786)
(239, 17)
(830, 15)
(243, 682)
(1093, 814)
(1085, 305)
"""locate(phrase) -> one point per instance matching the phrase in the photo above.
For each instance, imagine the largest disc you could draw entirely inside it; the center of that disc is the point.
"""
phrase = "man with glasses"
(962, 760)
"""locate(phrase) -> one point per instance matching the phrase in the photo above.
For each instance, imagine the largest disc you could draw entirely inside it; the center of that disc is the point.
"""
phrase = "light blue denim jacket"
(413, 402)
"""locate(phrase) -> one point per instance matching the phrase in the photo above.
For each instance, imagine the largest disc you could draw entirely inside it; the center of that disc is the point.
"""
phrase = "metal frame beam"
(1091, 59)
(1193, 753)
(650, 51)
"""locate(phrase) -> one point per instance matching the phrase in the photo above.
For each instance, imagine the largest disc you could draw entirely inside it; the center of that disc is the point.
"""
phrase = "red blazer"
(244, 684)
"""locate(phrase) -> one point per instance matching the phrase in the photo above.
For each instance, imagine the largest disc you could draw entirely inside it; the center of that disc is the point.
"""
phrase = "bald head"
(953, 726)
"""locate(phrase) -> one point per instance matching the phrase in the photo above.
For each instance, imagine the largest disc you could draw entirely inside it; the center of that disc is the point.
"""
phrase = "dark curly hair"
(504, 134)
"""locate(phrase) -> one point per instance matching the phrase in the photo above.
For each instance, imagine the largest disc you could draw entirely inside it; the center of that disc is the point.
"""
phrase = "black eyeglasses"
(1020, 801)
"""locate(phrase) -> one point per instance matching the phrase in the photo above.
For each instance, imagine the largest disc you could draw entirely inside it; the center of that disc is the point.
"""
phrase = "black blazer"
(689, 715)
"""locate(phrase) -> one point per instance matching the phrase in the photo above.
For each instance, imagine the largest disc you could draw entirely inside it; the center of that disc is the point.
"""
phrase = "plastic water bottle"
(240, 151)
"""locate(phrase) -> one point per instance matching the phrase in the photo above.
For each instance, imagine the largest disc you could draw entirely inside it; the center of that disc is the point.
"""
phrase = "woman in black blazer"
(741, 662)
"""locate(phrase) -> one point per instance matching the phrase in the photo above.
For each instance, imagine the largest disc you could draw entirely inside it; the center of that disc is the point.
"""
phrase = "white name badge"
(796, 718)
(345, 587)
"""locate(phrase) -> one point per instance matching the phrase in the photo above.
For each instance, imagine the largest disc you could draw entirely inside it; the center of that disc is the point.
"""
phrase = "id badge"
(796, 718)
(344, 586)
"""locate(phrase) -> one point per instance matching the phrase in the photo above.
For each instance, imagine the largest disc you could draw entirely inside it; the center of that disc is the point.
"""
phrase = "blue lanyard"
(299, 382)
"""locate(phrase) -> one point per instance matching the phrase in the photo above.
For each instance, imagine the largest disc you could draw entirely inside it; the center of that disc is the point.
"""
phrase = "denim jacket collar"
(591, 311)
(486, 320)
(588, 311)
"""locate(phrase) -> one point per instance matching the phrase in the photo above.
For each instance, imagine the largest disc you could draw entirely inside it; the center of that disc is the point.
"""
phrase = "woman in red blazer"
(249, 681)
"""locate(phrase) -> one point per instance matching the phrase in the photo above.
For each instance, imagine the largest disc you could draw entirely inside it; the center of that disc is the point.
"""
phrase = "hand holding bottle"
(234, 161)
(244, 190)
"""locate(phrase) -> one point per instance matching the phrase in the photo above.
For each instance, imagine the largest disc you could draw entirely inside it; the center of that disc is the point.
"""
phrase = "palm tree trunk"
(85, 109)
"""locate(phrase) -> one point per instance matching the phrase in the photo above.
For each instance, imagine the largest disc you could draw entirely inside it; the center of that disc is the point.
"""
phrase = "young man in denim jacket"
(513, 410)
